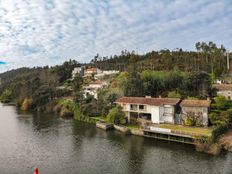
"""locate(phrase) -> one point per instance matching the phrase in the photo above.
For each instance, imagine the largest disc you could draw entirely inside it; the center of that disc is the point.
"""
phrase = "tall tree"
(134, 83)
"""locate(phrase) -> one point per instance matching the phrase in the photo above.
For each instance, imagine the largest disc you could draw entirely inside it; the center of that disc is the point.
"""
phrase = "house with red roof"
(164, 110)
(195, 108)
(154, 110)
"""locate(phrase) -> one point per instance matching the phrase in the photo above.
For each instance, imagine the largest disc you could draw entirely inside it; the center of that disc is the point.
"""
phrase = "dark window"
(141, 107)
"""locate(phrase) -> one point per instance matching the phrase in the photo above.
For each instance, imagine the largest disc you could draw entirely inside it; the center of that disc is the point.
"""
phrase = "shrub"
(6, 96)
(174, 94)
(189, 121)
(219, 130)
(116, 115)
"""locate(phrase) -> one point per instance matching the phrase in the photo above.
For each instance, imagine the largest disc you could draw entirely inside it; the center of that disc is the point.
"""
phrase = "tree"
(116, 115)
(134, 83)
(77, 84)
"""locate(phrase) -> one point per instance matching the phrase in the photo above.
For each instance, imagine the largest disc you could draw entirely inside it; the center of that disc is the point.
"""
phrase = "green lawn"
(201, 131)
(132, 126)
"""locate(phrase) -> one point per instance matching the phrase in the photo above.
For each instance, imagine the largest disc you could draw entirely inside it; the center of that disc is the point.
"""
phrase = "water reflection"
(65, 146)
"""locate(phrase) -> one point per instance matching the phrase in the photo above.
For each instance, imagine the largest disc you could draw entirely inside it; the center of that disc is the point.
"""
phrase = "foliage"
(219, 130)
(189, 121)
(208, 57)
(77, 84)
(42, 96)
(116, 115)
(192, 119)
(133, 85)
(220, 102)
(173, 94)
(6, 96)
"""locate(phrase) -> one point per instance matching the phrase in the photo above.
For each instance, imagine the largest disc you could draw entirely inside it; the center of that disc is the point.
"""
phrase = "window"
(141, 107)
(134, 107)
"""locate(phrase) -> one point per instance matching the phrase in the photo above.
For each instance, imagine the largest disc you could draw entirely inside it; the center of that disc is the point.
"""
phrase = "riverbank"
(190, 137)
(181, 134)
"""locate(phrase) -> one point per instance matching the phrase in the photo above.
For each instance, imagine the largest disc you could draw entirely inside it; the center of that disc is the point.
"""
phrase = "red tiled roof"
(222, 87)
(148, 101)
(195, 102)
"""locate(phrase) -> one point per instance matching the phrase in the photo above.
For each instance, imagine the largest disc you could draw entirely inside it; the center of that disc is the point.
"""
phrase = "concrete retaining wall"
(122, 129)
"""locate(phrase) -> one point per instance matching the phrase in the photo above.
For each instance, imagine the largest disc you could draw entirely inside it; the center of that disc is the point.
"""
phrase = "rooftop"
(195, 102)
(148, 101)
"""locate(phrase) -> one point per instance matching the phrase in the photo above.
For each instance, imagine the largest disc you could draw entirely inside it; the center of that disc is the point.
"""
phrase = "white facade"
(226, 93)
(158, 114)
(93, 88)
(104, 73)
(77, 70)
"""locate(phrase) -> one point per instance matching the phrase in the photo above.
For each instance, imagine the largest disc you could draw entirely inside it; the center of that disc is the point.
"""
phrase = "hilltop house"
(93, 87)
(92, 71)
(154, 110)
(78, 70)
(224, 90)
(105, 73)
(196, 108)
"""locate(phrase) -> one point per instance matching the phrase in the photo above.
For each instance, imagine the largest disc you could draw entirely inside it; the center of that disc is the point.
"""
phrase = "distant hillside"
(208, 58)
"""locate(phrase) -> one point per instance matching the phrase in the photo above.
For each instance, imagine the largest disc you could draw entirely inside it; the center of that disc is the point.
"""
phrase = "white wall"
(155, 114)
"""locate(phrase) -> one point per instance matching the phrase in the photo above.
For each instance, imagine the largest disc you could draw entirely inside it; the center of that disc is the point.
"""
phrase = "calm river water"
(64, 146)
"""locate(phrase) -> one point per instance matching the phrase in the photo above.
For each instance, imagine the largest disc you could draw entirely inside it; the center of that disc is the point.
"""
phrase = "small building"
(196, 108)
(155, 110)
(78, 70)
(105, 73)
(93, 88)
(92, 71)
(224, 90)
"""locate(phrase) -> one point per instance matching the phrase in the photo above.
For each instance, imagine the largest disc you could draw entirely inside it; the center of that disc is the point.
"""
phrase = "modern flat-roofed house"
(195, 108)
(224, 90)
(155, 110)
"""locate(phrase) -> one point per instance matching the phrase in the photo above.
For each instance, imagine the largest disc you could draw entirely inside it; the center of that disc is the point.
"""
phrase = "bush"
(189, 121)
(6, 96)
(116, 116)
(219, 130)
(173, 94)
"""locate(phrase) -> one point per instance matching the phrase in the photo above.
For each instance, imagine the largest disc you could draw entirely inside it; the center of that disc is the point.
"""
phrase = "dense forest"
(208, 57)
(38, 83)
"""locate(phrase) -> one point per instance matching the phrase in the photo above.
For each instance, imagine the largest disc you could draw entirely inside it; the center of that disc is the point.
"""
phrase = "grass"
(132, 126)
(201, 131)
(99, 118)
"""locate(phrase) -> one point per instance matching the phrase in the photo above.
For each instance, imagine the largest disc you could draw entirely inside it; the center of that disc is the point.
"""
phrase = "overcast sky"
(48, 32)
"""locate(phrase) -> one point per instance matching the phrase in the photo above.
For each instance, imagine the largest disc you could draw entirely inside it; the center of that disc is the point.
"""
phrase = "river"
(65, 146)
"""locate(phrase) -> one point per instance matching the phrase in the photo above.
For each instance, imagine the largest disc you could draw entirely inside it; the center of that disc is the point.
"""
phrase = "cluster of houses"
(97, 82)
(164, 110)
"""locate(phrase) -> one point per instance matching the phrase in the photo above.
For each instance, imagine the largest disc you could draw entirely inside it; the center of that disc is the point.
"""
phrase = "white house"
(224, 90)
(78, 70)
(104, 73)
(93, 87)
(155, 110)
(92, 71)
